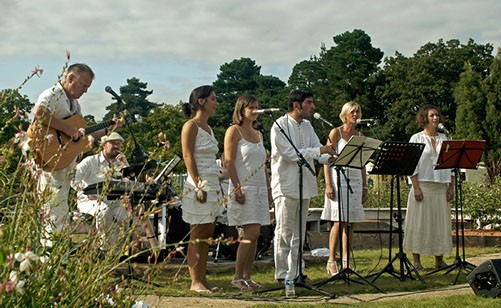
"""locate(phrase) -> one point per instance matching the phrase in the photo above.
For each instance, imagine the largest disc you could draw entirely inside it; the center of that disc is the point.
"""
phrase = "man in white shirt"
(52, 107)
(102, 167)
(285, 179)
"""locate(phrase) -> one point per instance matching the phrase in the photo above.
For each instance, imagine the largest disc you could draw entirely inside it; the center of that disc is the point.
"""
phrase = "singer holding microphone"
(285, 180)
(350, 113)
(428, 218)
(249, 188)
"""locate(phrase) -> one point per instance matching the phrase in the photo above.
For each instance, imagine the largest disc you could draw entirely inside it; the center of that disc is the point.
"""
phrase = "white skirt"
(352, 200)
(428, 229)
(255, 210)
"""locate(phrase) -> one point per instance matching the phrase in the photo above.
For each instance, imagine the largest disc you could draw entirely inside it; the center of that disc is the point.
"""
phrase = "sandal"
(329, 263)
(241, 285)
(251, 283)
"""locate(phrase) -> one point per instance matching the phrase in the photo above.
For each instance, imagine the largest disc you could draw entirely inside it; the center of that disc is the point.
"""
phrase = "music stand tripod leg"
(345, 272)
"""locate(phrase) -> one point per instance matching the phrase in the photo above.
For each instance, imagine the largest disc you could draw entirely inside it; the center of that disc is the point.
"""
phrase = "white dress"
(331, 208)
(195, 212)
(251, 170)
(428, 228)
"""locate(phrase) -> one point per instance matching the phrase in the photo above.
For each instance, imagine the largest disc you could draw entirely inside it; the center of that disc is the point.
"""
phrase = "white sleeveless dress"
(331, 208)
(251, 171)
(195, 212)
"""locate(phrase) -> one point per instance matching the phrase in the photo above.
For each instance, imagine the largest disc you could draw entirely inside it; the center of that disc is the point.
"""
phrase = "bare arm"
(418, 194)
(188, 137)
(330, 190)
(44, 116)
(231, 139)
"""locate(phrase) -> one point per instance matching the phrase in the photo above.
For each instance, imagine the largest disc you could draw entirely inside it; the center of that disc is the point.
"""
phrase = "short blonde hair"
(243, 102)
(348, 108)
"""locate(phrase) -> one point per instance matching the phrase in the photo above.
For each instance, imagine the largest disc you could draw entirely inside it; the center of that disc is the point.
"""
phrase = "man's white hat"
(111, 137)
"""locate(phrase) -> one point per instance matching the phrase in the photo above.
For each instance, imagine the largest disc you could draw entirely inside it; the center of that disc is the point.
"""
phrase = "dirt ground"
(251, 300)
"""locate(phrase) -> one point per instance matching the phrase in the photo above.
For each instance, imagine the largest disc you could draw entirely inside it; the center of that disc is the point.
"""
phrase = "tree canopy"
(462, 80)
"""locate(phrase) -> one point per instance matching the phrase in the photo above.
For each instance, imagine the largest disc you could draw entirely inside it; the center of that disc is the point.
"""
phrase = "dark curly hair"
(422, 115)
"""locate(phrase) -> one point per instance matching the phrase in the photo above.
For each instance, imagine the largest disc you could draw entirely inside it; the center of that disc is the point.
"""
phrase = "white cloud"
(177, 45)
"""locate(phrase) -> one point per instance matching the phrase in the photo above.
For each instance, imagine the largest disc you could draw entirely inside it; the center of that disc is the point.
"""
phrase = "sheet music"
(168, 168)
(357, 152)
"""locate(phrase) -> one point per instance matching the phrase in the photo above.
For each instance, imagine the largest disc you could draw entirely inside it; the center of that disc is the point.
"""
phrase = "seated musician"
(103, 166)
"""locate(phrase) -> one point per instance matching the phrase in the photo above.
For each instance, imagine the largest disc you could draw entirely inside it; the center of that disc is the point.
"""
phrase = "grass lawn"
(173, 281)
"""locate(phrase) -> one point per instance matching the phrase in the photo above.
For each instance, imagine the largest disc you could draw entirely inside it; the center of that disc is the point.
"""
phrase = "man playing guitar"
(52, 107)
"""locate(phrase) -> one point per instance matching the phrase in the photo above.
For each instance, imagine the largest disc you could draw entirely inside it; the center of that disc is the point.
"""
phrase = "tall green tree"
(135, 100)
(493, 117)
(430, 76)
(471, 101)
(340, 73)
(243, 76)
(13, 110)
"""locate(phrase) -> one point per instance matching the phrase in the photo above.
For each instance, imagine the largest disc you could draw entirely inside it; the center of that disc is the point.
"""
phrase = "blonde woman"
(339, 137)
(250, 193)
(201, 197)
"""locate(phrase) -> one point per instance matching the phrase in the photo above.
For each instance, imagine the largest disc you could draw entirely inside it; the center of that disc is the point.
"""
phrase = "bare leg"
(333, 242)
(198, 254)
(416, 257)
(347, 240)
(245, 255)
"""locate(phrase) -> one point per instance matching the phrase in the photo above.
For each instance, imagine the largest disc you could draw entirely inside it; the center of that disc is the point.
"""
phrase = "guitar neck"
(91, 129)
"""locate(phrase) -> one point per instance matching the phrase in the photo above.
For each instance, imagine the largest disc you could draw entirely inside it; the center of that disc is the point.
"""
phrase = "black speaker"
(485, 279)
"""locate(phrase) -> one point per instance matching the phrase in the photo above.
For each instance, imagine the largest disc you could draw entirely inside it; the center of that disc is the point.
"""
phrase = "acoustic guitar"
(54, 149)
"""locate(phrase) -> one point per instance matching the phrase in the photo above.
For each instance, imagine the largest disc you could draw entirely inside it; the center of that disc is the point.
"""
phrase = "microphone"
(442, 128)
(317, 116)
(266, 111)
(366, 121)
(110, 90)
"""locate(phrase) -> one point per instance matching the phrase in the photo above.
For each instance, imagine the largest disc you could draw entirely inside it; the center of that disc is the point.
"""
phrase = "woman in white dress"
(428, 217)
(339, 137)
(202, 200)
(249, 189)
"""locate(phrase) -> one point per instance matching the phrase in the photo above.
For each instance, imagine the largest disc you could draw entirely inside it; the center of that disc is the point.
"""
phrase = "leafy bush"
(481, 201)
(71, 273)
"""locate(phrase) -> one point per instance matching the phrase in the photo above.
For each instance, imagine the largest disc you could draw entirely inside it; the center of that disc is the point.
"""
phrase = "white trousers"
(56, 187)
(286, 242)
(109, 216)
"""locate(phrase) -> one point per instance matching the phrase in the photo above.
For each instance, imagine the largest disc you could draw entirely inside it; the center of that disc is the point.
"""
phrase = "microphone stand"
(138, 156)
(299, 281)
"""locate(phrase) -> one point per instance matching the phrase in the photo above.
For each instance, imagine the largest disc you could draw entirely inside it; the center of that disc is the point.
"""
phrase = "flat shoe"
(418, 266)
(205, 291)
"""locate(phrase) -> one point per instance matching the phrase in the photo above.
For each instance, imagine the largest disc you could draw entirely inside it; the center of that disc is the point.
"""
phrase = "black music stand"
(397, 159)
(300, 280)
(456, 154)
(355, 155)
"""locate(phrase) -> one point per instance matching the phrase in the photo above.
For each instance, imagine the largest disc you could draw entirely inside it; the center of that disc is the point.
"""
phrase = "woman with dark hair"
(249, 188)
(202, 197)
(428, 217)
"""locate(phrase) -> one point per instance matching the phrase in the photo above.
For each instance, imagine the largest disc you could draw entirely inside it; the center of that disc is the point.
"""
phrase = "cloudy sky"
(175, 46)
